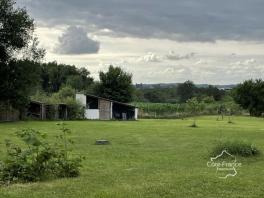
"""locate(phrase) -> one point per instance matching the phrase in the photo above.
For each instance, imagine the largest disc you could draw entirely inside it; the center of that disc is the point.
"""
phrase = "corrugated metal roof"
(39, 102)
(125, 104)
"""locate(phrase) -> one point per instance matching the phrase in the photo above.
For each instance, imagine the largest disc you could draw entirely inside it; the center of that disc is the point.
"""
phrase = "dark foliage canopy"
(186, 91)
(115, 84)
(16, 29)
(16, 77)
(16, 82)
(54, 75)
(250, 95)
(177, 93)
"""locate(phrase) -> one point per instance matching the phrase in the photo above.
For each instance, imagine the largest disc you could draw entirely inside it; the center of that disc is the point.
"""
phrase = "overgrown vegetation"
(237, 148)
(64, 95)
(226, 107)
(250, 95)
(37, 159)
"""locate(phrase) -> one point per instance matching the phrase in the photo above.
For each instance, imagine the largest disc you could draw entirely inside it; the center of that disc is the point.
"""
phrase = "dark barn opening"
(35, 110)
(91, 102)
(123, 112)
(63, 112)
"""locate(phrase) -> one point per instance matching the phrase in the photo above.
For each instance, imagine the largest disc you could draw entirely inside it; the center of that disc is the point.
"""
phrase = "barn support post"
(56, 116)
(66, 113)
(111, 110)
(43, 112)
(136, 113)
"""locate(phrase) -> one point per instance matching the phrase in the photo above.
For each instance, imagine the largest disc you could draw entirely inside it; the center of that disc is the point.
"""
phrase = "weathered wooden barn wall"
(7, 113)
(105, 109)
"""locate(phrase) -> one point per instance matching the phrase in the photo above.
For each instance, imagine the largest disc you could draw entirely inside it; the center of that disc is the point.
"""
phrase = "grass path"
(148, 158)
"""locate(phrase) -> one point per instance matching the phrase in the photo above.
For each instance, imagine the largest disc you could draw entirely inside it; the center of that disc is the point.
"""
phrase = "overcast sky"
(207, 41)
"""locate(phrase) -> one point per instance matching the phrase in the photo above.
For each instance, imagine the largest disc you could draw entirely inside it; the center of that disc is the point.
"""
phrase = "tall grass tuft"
(237, 148)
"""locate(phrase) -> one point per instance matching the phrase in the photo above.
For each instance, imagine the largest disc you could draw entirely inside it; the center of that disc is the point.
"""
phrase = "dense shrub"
(75, 109)
(237, 148)
(38, 160)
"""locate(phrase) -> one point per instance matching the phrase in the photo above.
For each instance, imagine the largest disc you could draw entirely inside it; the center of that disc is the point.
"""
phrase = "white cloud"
(75, 41)
(173, 56)
(250, 61)
(246, 62)
(150, 57)
(201, 62)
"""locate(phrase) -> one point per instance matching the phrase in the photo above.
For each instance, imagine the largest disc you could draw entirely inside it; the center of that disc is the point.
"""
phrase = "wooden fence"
(7, 113)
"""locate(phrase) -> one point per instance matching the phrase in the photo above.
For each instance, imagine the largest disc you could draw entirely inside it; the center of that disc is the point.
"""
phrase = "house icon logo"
(226, 165)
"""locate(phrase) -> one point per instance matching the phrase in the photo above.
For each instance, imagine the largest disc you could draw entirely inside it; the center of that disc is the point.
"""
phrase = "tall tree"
(16, 29)
(16, 85)
(186, 91)
(54, 75)
(16, 76)
(250, 95)
(115, 84)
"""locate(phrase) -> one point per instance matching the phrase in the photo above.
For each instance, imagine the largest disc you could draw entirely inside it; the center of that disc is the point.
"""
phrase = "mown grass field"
(148, 158)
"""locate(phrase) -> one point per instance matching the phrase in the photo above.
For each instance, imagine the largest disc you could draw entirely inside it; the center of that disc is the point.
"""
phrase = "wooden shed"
(98, 108)
(44, 111)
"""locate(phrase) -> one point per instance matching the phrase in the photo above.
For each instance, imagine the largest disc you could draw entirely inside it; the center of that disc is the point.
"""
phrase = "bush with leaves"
(39, 160)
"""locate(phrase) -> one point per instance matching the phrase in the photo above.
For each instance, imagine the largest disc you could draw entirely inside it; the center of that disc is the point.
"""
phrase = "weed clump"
(37, 159)
(237, 148)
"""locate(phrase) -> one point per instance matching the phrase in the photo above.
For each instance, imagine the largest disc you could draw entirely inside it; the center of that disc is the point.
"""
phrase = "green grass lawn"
(148, 158)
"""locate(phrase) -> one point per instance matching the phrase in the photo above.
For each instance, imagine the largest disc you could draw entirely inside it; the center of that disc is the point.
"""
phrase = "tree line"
(178, 94)
(22, 74)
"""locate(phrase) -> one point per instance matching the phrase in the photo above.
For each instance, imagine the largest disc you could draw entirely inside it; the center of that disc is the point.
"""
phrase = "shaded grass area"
(148, 158)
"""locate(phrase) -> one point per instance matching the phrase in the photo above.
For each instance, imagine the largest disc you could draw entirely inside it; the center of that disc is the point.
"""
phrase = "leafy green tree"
(16, 29)
(211, 91)
(17, 80)
(186, 91)
(18, 75)
(155, 95)
(115, 84)
(208, 99)
(54, 76)
(250, 95)
(81, 81)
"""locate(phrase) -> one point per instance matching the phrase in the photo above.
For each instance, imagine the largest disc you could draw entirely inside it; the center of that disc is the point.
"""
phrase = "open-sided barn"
(43, 111)
(105, 109)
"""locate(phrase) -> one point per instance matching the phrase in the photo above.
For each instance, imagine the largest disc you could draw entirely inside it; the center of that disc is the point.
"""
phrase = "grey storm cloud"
(75, 41)
(182, 20)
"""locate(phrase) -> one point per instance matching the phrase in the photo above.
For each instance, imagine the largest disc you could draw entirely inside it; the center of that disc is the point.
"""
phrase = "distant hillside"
(172, 85)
